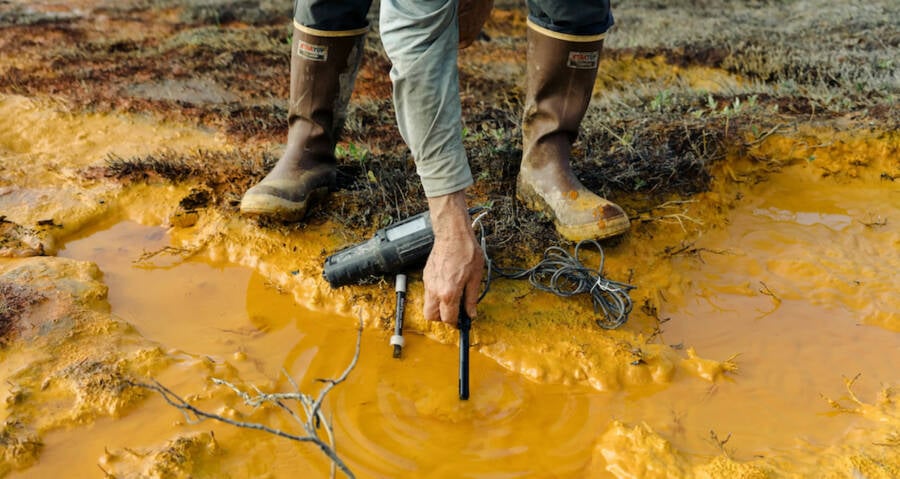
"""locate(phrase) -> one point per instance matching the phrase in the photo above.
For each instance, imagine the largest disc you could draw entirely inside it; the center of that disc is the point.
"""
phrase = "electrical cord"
(564, 274)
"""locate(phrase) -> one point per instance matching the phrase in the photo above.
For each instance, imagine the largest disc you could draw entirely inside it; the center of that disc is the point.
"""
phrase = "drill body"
(393, 249)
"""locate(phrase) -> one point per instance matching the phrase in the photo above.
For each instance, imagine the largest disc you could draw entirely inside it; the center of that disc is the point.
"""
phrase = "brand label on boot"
(583, 60)
(316, 53)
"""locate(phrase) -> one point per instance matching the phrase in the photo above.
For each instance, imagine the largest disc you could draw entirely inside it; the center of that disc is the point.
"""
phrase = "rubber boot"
(323, 70)
(472, 15)
(561, 73)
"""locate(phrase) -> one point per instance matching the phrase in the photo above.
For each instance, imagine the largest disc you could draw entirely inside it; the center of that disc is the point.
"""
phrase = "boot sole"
(535, 202)
(277, 208)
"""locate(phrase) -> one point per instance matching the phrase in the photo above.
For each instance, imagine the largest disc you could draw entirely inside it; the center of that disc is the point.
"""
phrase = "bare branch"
(677, 217)
(848, 384)
(331, 383)
(720, 443)
(768, 292)
(315, 417)
(169, 250)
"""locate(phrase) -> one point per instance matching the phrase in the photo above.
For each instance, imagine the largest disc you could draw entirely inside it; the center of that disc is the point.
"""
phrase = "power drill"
(396, 249)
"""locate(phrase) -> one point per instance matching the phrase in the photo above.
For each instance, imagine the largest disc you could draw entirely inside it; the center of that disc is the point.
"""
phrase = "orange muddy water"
(801, 284)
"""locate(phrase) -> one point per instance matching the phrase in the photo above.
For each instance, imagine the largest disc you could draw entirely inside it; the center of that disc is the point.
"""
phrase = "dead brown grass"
(223, 64)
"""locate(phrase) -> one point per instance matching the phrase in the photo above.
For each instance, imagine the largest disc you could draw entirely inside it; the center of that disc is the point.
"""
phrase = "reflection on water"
(391, 416)
(834, 221)
(799, 288)
(803, 289)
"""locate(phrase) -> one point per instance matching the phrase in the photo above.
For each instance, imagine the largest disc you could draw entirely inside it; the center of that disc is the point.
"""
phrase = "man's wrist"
(449, 214)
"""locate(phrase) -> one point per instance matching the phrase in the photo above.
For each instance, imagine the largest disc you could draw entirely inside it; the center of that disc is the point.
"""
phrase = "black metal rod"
(465, 325)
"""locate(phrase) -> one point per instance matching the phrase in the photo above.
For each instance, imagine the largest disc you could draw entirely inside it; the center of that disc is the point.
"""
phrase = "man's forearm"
(421, 39)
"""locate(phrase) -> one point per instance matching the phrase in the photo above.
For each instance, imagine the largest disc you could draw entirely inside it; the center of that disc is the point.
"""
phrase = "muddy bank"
(758, 172)
(544, 338)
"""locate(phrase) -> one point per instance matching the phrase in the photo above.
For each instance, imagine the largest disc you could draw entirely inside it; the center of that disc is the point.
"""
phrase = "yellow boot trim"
(330, 34)
(564, 36)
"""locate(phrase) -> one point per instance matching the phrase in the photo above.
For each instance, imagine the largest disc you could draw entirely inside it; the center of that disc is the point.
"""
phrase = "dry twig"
(310, 421)
(765, 135)
(874, 221)
(169, 250)
(720, 443)
(848, 385)
(689, 249)
(677, 217)
(768, 292)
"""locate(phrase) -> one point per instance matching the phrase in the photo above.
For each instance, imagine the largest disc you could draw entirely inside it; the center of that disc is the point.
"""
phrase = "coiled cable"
(565, 274)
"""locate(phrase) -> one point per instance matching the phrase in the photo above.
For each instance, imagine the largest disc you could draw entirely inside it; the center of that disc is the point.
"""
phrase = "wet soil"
(758, 162)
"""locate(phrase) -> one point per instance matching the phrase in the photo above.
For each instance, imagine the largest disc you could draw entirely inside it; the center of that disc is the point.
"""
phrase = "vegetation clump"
(672, 99)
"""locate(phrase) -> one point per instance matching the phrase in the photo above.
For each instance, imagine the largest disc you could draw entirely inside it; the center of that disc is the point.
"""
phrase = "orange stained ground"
(797, 284)
(800, 283)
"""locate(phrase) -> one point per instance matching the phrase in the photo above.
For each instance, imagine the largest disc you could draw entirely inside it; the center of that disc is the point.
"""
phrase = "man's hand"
(456, 265)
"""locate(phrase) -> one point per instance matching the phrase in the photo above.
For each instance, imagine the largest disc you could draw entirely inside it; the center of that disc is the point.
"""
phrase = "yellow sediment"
(752, 303)
(42, 148)
(42, 143)
(627, 71)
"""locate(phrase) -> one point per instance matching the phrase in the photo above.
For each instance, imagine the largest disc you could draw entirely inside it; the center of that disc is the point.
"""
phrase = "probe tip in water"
(397, 342)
